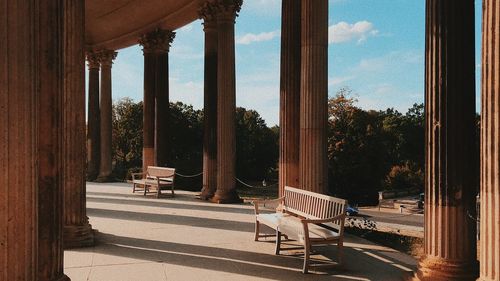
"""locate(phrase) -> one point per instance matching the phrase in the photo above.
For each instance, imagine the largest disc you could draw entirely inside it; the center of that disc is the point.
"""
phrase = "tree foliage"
(256, 144)
(371, 150)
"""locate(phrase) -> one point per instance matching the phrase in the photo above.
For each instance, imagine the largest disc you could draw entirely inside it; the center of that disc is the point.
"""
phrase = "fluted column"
(208, 14)
(290, 95)
(106, 58)
(162, 102)
(77, 230)
(156, 45)
(227, 11)
(49, 128)
(313, 167)
(450, 176)
(30, 140)
(490, 145)
(93, 117)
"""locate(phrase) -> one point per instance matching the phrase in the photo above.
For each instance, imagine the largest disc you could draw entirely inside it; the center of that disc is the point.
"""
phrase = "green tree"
(256, 146)
(127, 136)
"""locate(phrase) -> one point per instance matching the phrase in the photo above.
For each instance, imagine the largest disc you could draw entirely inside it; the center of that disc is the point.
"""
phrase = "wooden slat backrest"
(161, 172)
(311, 205)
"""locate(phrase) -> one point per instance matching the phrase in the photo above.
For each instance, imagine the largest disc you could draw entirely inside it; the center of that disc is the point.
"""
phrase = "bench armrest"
(267, 204)
(327, 220)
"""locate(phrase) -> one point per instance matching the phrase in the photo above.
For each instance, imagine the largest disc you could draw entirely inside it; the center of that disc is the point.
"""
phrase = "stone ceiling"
(116, 24)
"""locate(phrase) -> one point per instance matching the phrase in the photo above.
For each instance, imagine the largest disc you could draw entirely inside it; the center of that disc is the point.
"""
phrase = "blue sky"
(376, 48)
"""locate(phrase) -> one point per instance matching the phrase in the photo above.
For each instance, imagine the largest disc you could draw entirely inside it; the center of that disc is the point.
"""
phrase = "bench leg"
(173, 194)
(307, 249)
(133, 188)
(257, 230)
(145, 189)
(158, 194)
(340, 248)
(278, 242)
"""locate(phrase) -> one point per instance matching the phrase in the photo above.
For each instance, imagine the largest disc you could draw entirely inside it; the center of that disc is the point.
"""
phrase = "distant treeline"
(368, 150)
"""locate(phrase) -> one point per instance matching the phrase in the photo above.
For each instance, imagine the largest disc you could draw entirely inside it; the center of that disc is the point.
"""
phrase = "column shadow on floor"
(170, 204)
(358, 265)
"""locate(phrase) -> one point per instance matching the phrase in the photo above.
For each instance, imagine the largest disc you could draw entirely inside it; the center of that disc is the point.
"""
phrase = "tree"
(127, 136)
(371, 150)
(256, 146)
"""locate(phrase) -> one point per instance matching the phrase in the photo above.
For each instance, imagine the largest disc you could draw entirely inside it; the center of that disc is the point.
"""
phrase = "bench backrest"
(311, 205)
(161, 172)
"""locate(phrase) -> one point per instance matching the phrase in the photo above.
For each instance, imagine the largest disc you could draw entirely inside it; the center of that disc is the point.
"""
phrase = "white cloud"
(190, 92)
(338, 81)
(251, 37)
(343, 32)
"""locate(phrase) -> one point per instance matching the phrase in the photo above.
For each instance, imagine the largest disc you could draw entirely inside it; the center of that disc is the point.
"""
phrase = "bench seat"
(308, 217)
(292, 226)
(156, 178)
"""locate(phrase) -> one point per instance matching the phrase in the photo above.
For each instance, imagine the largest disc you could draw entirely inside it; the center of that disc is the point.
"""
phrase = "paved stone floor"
(182, 238)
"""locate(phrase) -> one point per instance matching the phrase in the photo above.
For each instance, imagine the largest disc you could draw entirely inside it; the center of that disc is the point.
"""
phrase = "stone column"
(93, 116)
(106, 58)
(77, 230)
(450, 177)
(163, 40)
(290, 95)
(490, 145)
(49, 128)
(313, 167)
(149, 104)
(227, 10)
(208, 13)
(30, 140)
(156, 105)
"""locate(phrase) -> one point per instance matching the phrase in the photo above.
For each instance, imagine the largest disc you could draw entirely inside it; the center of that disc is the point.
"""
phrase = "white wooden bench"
(308, 217)
(155, 178)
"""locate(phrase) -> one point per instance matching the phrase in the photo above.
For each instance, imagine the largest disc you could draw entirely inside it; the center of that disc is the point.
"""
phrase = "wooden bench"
(155, 178)
(308, 217)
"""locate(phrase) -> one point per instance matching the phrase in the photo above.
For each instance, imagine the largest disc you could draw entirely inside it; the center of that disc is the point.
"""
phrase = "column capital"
(227, 10)
(157, 41)
(208, 12)
(93, 61)
(106, 57)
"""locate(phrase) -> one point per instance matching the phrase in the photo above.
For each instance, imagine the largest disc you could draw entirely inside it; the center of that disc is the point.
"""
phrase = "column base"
(78, 236)
(226, 197)
(206, 194)
(62, 278)
(105, 178)
(437, 269)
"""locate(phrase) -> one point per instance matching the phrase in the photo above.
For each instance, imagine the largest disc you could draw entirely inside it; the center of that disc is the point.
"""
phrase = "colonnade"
(42, 121)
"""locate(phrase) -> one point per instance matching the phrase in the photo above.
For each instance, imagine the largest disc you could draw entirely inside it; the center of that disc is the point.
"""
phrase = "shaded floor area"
(182, 238)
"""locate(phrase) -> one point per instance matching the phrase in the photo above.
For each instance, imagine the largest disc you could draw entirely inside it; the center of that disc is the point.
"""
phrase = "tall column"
(93, 116)
(106, 58)
(77, 230)
(149, 106)
(30, 140)
(450, 181)
(290, 95)
(156, 46)
(162, 103)
(49, 134)
(227, 10)
(490, 145)
(208, 13)
(313, 167)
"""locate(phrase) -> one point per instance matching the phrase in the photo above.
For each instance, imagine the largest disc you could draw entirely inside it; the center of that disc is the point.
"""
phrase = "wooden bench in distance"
(155, 178)
(308, 217)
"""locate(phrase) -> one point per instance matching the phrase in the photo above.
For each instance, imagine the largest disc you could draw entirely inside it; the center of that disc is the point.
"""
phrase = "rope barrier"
(237, 179)
(189, 176)
(252, 186)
